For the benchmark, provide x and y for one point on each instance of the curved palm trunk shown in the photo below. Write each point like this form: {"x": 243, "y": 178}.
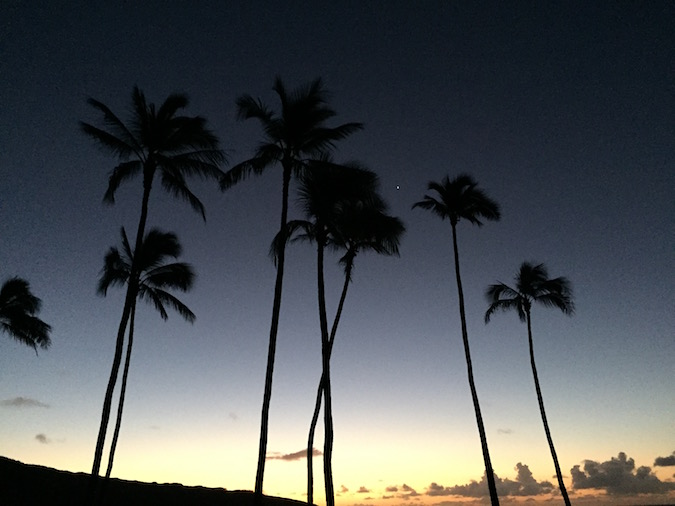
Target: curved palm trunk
{"x": 128, "y": 303}
{"x": 271, "y": 350}
{"x": 320, "y": 390}
{"x": 474, "y": 396}
{"x": 561, "y": 484}
{"x": 123, "y": 389}
{"x": 328, "y": 406}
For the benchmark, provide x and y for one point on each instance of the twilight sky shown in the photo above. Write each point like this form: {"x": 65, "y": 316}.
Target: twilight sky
{"x": 563, "y": 112}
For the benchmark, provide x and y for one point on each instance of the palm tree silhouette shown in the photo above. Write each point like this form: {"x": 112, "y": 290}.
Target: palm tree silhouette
{"x": 357, "y": 227}
{"x": 534, "y": 285}
{"x": 455, "y": 200}
{"x": 153, "y": 142}
{"x": 332, "y": 198}
{"x": 18, "y": 314}
{"x": 155, "y": 277}
{"x": 292, "y": 138}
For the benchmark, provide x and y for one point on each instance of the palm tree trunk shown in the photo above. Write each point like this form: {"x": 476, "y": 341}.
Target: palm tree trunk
{"x": 271, "y": 350}
{"x": 123, "y": 389}
{"x": 540, "y": 399}
{"x": 474, "y": 396}
{"x": 325, "y": 355}
{"x": 107, "y": 402}
{"x": 319, "y": 393}
{"x": 128, "y": 302}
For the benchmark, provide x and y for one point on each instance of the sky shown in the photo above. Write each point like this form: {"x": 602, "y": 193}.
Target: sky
{"x": 562, "y": 111}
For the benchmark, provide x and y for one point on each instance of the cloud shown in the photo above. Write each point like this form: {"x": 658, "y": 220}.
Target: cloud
{"x": 23, "y": 402}
{"x": 523, "y": 485}
{"x": 363, "y": 490}
{"x": 342, "y": 490}
{"x": 504, "y": 431}
{"x": 41, "y": 438}
{"x": 233, "y": 416}
{"x": 400, "y": 492}
{"x": 665, "y": 461}
{"x": 618, "y": 476}
{"x": 289, "y": 457}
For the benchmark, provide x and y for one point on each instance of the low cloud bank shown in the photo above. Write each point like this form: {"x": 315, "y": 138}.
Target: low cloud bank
{"x": 523, "y": 485}
{"x": 618, "y": 476}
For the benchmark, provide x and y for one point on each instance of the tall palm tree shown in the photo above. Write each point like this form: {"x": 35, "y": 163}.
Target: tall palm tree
{"x": 155, "y": 277}
{"x": 454, "y": 200}
{"x": 292, "y": 138}
{"x": 358, "y": 228}
{"x": 534, "y": 285}
{"x": 155, "y": 141}
{"x": 18, "y": 314}
{"x": 328, "y": 192}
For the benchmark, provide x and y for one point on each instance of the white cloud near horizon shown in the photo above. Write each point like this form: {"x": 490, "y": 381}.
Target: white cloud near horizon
{"x": 290, "y": 457}
{"x": 23, "y": 402}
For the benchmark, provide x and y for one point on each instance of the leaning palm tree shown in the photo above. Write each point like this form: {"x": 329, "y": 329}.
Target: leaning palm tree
{"x": 534, "y": 285}
{"x": 292, "y": 138}
{"x": 328, "y": 196}
{"x": 155, "y": 277}
{"x": 454, "y": 200}
{"x": 358, "y": 228}
{"x": 154, "y": 142}
{"x": 18, "y": 314}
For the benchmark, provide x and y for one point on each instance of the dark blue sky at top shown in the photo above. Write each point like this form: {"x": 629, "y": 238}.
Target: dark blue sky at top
{"x": 563, "y": 111}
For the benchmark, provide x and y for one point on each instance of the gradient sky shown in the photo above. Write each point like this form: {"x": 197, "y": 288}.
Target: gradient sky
{"x": 563, "y": 112}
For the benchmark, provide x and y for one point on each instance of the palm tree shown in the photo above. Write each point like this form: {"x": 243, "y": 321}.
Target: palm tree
{"x": 329, "y": 196}
{"x": 153, "y": 142}
{"x": 455, "y": 200}
{"x": 359, "y": 228}
{"x": 18, "y": 314}
{"x": 292, "y": 138}
{"x": 534, "y": 285}
{"x": 154, "y": 278}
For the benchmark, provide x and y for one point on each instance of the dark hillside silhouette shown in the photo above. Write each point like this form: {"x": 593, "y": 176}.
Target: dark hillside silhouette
{"x": 28, "y": 485}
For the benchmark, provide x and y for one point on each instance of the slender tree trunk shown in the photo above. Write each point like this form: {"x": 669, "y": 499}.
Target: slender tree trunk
{"x": 276, "y": 310}
{"x": 319, "y": 393}
{"x": 128, "y": 302}
{"x": 123, "y": 389}
{"x": 325, "y": 356}
{"x": 474, "y": 396}
{"x": 561, "y": 483}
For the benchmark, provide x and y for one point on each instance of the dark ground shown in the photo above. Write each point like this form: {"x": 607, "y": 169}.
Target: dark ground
{"x": 28, "y": 485}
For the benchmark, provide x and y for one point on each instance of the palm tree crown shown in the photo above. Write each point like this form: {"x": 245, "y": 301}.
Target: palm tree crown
{"x": 460, "y": 198}
{"x": 532, "y": 285}
{"x": 155, "y": 276}
{"x": 158, "y": 139}
{"x": 294, "y": 135}
{"x": 18, "y": 314}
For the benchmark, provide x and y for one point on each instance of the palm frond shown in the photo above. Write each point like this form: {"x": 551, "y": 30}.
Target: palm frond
{"x": 178, "y": 275}
{"x": 119, "y": 174}
{"x": 175, "y": 183}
